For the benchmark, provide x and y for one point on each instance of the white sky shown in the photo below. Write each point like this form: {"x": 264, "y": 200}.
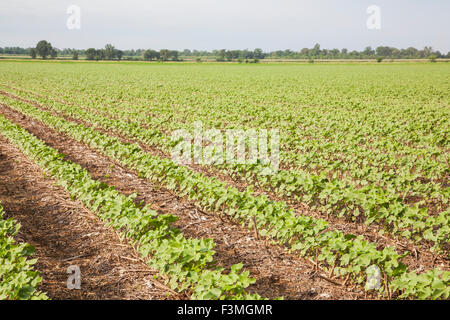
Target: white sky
{"x": 231, "y": 24}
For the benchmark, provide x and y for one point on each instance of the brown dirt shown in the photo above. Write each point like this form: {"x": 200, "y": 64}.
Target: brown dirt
{"x": 277, "y": 273}
{"x": 64, "y": 233}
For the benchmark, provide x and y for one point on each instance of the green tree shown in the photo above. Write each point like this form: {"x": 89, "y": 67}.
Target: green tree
{"x": 75, "y": 55}
{"x": 164, "y": 54}
{"x": 221, "y": 55}
{"x": 44, "y": 49}
{"x": 33, "y": 53}
{"x": 368, "y": 51}
{"x": 110, "y": 52}
{"x": 119, "y": 54}
{"x": 427, "y": 51}
{"x": 235, "y": 54}
{"x": 304, "y": 52}
{"x": 334, "y": 53}
{"x": 315, "y": 52}
{"x": 258, "y": 53}
{"x": 174, "y": 55}
{"x": 228, "y": 55}
{"x": 53, "y": 53}
{"x": 91, "y": 53}
{"x": 411, "y": 52}
{"x": 344, "y": 53}
{"x": 100, "y": 54}
{"x": 150, "y": 55}
{"x": 384, "y": 51}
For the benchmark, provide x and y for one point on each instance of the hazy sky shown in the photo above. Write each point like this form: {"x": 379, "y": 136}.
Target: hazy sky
{"x": 231, "y": 24}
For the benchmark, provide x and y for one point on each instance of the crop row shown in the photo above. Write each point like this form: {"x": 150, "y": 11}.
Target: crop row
{"x": 187, "y": 264}
{"x": 321, "y": 140}
{"x": 18, "y": 279}
{"x": 408, "y": 171}
{"x": 150, "y": 87}
{"x": 327, "y": 195}
{"x": 343, "y": 255}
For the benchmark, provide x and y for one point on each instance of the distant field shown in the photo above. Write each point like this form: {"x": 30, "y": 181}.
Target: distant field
{"x": 363, "y": 178}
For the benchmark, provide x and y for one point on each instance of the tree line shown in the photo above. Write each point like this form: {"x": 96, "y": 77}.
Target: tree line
{"x": 44, "y": 50}
{"x": 318, "y": 53}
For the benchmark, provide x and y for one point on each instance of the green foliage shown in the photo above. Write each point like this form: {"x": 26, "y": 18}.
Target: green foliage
{"x": 372, "y": 154}
{"x": 33, "y": 53}
{"x": 308, "y": 236}
{"x": 18, "y": 280}
{"x": 187, "y": 264}
{"x": 433, "y": 284}
{"x": 44, "y": 49}
{"x": 150, "y": 55}
{"x": 91, "y": 53}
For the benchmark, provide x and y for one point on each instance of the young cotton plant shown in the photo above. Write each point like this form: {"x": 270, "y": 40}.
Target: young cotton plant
{"x": 18, "y": 280}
